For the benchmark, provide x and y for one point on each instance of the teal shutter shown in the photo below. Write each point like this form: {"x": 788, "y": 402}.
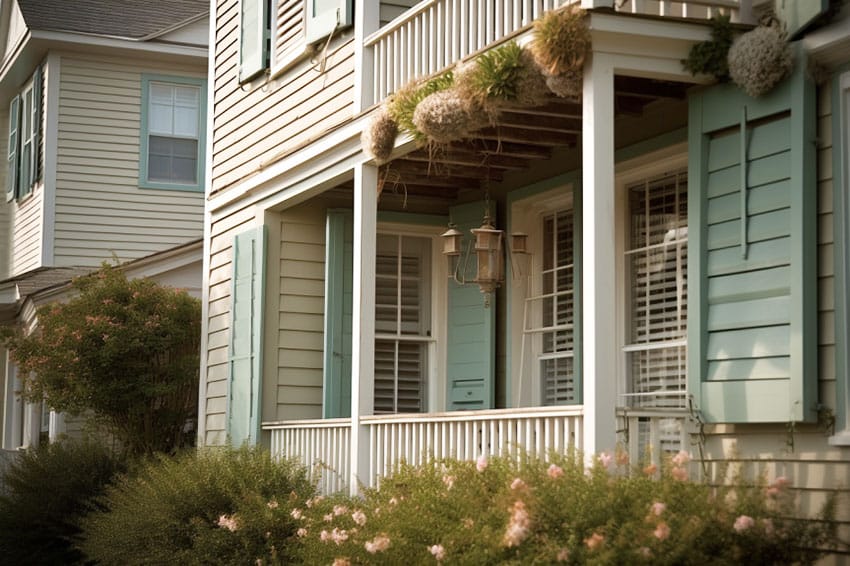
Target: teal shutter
{"x": 470, "y": 363}
{"x": 243, "y": 408}
{"x": 254, "y": 37}
{"x": 339, "y": 264}
{"x": 324, "y": 16}
{"x": 797, "y": 15}
{"x": 12, "y": 153}
{"x": 752, "y": 339}
{"x": 35, "y": 169}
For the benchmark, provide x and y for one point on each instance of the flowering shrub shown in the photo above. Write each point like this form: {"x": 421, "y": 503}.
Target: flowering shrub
{"x": 212, "y": 507}
{"x": 528, "y": 511}
{"x": 125, "y": 350}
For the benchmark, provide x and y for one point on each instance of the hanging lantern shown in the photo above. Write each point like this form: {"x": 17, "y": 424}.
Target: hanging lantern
{"x": 519, "y": 243}
{"x": 491, "y": 262}
{"x": 452, "y": 241}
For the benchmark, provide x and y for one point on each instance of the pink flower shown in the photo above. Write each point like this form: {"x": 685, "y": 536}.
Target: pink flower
{"x": 480, "y": 465}
{"x": 329, "y": 517}
{"x": 295, "y": 514}
{"x": 437, "y": 551}
{"x": 314, "y": 501}
{"x": 662, "y": 531}
{"x": 778, "y": 485}
{"x": 393, "y": 501}
{"x": 340, "y": 510}
{"x": 645, "y": 552}
{"x": 229, "y": 523}
{"x": 650, "y": 470}
{"x": 517, "y": 484}
{"x": 274, "y": 505}
{"x": 449, "y": 481}
{"x": 606, "y": 460}
{"x": 518, "y": 526}
{"x": 658, "y": 508}
{"x": 339, "y": 536}
{"x": 563, "y": 555}
{"x": 681, "y": 458}
{"x": 301, "y": 533}
{"x": 594, "y": 541}
{"x": 342, "y": 562}
{"x": 680, "y": 474}
{"x": 622, "y": 458}
{"x": 359, "y": 517}
{"x": 378, "y": 544}
{"x": 554, "y": 471}
{"x": 324, "y": 536}
{"x": 743, "y": 523}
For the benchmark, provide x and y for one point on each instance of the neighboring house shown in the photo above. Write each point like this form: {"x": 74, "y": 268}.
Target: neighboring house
{"x": 643, "y": 316}
{"x": 103, "y": 114}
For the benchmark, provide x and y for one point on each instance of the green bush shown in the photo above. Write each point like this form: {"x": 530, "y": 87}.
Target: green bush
{"x": 216, "y": 506}
{"x": 46, "y": 492}
{"x": 532, "y": 512}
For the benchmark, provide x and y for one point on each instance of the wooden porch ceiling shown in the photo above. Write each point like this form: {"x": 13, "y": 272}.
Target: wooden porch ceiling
{"x": 522, "y": 138}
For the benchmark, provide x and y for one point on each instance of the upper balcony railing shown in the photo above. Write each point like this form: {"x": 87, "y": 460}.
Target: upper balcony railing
{"x": 435, "y": 34}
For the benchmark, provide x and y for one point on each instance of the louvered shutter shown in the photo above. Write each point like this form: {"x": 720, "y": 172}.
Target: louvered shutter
{"x": 470, "y": 363}
{"x": 14, "y": 145}
{"x": 35, "y": 169}
{"x": 752, "y": 332}
{"x": 254, "y": 36}
{"x": 324, "y": 16}
{"x": 339, "y": 262}
{"x": 243, "y": 408}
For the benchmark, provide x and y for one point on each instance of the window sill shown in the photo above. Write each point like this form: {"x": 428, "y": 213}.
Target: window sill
{"x": 840, "y": 438}
{"x": 170, "y": 187}
{"x": 290, "y": 58}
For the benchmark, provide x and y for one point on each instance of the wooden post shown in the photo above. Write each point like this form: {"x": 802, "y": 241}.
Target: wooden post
{"x": 363, "y": 317}
{"x": 366, "y": 22}
{"x": 599, "y": 290}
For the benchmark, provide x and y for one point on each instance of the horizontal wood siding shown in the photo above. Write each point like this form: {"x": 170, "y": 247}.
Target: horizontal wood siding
{"x": 802, "y": 454}
{"x": 213, "y": 401}
{"x": 301, "y": 310}
{"x": 100, "y": 209}
{"x": 257, "y": 123}
{"x": 27, "y": 232}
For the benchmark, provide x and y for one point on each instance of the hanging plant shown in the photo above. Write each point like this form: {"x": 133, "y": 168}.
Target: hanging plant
{"x": 710, "y": 57}
{"x": 566, "y": 85}
{"x": 402, "y": 104}
{"x": 561, "y": 41}
{"x": 442, "y": 117}
{"x": 505, "y": 75}
{"x": 378, "y": 139}
{"x": 760, "y": 59}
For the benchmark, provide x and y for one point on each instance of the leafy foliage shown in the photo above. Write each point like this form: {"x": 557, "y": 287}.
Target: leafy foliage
{"x": 126, "y": 350}
{"x": 710, "y": 57}
{"x": 402, "y": 104}
{"x": 561, "y": 40}
{"x": 47, "y": 491}
{"x": 216, "y": 506}
{"x": 527, "y": 511}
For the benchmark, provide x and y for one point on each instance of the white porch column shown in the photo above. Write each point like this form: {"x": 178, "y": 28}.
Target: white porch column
{"x": 599, "y": 291}
{"x": 363, "y": 319}
{"x": 13, "y": 416}
{"x": 366, "y": 21}
{"x": 57, "y": 426}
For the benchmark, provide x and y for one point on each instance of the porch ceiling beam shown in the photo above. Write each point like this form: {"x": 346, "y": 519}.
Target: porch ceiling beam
{"x": 456, "y": 156}
{"x": 425, "y": 191}
{"x": 557, "y": 107}
{"x": 520, "y": 135}
{"x": 502, "y": 147}
{"x": 438, "y": 169}
{"x": 649, "y": 88}
{"x": 545, "y": 123}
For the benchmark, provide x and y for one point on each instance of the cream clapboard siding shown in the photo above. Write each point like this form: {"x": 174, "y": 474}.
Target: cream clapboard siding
{"x": 256, "y": 125}
{"x": 214, "y": 397}
{"x": 27, "y": 232}
{"x": 100, "y": 209}
{"x": 301, "y": 314}
{"x": 801, "y": 453}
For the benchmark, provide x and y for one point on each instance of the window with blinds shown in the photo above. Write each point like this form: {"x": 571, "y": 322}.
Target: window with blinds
{"x": 557, "y": 377}
{"x": 656, "y": 259}
{"x": 402, "y": 323}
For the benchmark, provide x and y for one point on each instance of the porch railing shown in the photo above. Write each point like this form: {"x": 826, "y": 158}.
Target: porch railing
{"x": 653, "y": 434}
{"x": 434, "y": 34}
{"x": 324, "y": 445}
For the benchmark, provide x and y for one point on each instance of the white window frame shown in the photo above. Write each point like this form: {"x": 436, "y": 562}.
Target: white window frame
{"x": 527, "y": 216}
{"x": 652, "y": 165}
{"x": 434, "y": 396}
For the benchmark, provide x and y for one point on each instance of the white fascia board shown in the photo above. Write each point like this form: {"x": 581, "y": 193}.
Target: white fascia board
{"x": 164, "y": 262}
{"x": 99, "y": 42}
{"x": 830, "y": 45}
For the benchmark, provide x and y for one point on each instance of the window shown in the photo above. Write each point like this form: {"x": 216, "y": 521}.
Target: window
{"x": 325, "y": 16}
{"x": 557, "y": 376}
{"x": 172, "y": 144}
{"x": 24, "y": 155}
{"x": 656, "y": 266}
{"x": 402, "y": 323}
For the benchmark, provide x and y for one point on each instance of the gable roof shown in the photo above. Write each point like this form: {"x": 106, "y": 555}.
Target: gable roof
{"x": 132, "y": 19}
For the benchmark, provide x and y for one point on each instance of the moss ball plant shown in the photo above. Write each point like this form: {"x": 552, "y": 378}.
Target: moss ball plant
{"x": 507, "y": 75}
{"x": 442, "y": 117}
{"x": 379, "y": 138}
{"x": 759, "y": 59}
{"x": 403, "y": 103}
{"x": 566, "y": 85}
{"x": 561, "y": 40}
